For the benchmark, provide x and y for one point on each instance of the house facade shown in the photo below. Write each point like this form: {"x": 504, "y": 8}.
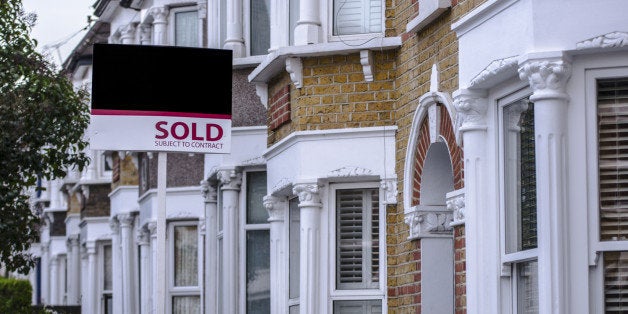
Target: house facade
{"x": 419, "y": 156}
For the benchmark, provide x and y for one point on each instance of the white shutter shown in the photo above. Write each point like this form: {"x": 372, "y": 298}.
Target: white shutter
{"x": 357, "y": 17}
{"x": 616, "y": 282}
{"x": 612, "y": 98}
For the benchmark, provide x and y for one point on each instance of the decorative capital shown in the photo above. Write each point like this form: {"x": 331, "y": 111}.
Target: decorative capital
{"x": 114, "y": 224}
{"x": 390, "y": 191}
{"x": 456, "y": 203}
{"x": 159, "y": 14}
{"x": 73, "y": 240}
{"x": 145, "y": 34}
{"x": 547, "y": 77}
{"x": 125, "y": 220}
{"x": 471, "y": 109}
{"x": 275, "y": 212}
{"x": 429, "y": 223}
{"x": 209, "y": 192}
{"x": 152, "y": 228}
{"x": 202, "y": 10}
{"x": 142, "y": 236}
{"x": 295, "y": 68}
{"x": 229, "y": 179}
{"x": 127, "y": 32}
{"x": 308, "y": 195}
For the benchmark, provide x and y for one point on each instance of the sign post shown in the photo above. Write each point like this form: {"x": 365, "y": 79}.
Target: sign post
{"x": 148, "y": 98}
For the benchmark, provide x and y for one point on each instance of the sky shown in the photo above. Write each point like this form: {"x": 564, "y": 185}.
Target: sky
{"x": 59, "y": 24}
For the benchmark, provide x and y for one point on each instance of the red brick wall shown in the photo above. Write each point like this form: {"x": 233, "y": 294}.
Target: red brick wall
{"x": 279, "y": 108}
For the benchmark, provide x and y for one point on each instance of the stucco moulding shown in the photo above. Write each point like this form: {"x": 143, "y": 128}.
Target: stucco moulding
{"x": 496, "y": 71}
{"x": 610, "y": 40}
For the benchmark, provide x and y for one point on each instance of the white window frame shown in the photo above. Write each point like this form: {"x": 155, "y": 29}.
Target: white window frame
{"x": 354, "y": 37}
{"x": 597, "y": 247}
{"x": 243, "y": 228}
{"x": 174, "y": 291}
{"x": 172, "y": 25}
{"x": 296, "y": 301}
{"x": 101, "y": 275}
{"x": 509, "y": 261}
{"x": 336, "y": 294}
{"x": 246, "y": 14}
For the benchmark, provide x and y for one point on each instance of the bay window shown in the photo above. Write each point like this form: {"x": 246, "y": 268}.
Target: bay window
{"x": 106, "y": 272}
{"x": 519, "y": 205}
{"x": 184, "y": 288}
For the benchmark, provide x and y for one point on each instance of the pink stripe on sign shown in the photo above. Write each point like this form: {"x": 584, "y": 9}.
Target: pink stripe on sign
{"x": 110, "y": 112}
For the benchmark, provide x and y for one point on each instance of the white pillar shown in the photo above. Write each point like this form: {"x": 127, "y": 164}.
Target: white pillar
{"x": 482, "y": 221}
{"x": 145, "y": 34}
{"x": 143, "y": 240}
{"x": 152, "y": 228}
{"x": 127, "y": 34}
{"x": 548, "y": 74}
{"x": 310, "y": 247}
{"x": 308, "y": 29}
{"x": 74, "y": 270}
{"x": 116, "y": 266}
{"x": 160, "y": 24}
{"x": 45, "y": 273}
{"x": 85, "y": 280}
{"x": 126, "y": 250}
{"x": 278, "y": 274}
{"x": 91, "y": 305}
{"x": 211, "y": 246}
{"x": 54, "y": 280}
{"x": 230, "y": 187}
{"x": 279, "y": 22}
{"x": 235, "y": 39}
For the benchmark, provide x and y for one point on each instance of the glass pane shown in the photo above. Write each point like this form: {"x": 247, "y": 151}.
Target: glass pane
{"x": 186, "y": 305}
{"x": 185, "y": 256}
{"x": 108, "y": 303}
{"x": 616, "y": 282}
{"x": 358, "y": 307}
{"x": 527, "y": 287}
{"x": 260, "y": 27}
{"x": 220, "y": 276}
{"x": 220, "y": 209}
{"x": 107, "y": 277}
{"x": 255, "y": 192}
{"x": 258, "y": 271}
{"x": 295, "y": 234}
{"x": 294, "y": 309}
{"x": 186, "y": 29}
{"x": 357, "y": 17}
{"x": 612, "y": 114}
{"x": 520, "y": 176}
{"x": 294, "y": 18}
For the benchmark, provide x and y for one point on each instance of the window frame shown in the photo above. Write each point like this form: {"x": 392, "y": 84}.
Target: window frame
{"x": 510, "y": 261}
{"x": 366, "y": 294}
{"x": 102, "y": 292}
{"x": 331, "y": 37}
{"x": 182, "y": 291}
{"x": 172, "y": 24}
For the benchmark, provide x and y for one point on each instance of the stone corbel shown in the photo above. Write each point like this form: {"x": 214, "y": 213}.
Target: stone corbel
{"x": 390, "y": 191}
{"x": 209, "y": 192}
{"x": 366, "y": 59}
{"x": 261, "y": 90}
{"x": 274, "y": 209}
{"x": 295, "y": 68}
{"x": 429, "y": 222}
{"x": 471, "y": 109}
{"x": 456, "y": 203}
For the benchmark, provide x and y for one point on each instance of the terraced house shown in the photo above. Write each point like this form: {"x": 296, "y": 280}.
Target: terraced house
{"x": 411, "y": 156}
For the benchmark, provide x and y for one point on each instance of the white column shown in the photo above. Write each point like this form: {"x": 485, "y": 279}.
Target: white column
{"x": 279, "y": 23}
{"x": 85, "y": 280}
{"x": 548, "y": 73}
{"x": 143, "y": 240}
{"x": 126, "y": 249}
{"x": 152, "y": 228}
{"x": 160, "y": 23}
{"x": 230, "y": 187}
{"x": 308, "y": 27}
{"x": 127, "y": 34}
{"x": 211, "y": 246}
{"x": 54, "y": 280}
{"x": 482, "y": 221}
{"x": 116, "y": 266}
{"x": 45, "y": 273}
{"x": 145, "y": 34}
{"x": 91, "y": 305}
{"x": 235, "y": 39}
{"x": 310, "y": 247}
{"x": 74, "y": 273}
{"x": 202, "y": 21}
{"x": 278, "y": 274}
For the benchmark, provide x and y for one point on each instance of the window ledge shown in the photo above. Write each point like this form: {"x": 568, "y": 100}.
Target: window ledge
{"x": 275, "y": 62}
{"x": 429, "y": 10}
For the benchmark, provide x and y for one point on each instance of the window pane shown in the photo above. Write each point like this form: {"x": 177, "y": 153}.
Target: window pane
{"x": 108, "y": 303}
{"x": 185, "y": 256}
{"x": 186, "y": 29}
{"x": 258, "y": 271}
{"x": 520, "y": 176}
{"x": 616, "y": 282}
{"x": 527, "y": 287}
{"x": 260, "y": 27}
{"x": 612, "y": 113}
{"x": 357, "y": 262}
{"x": 220, "y": 276}
{"x": 186, "y": 305}
{"x": 295, "y": 234}
{"x": 294, "y": 309}
{"x": 357, "y": 17}
{"x": 294, "y": 18}
{"x": 358, "y": 307}
{"x": 255, "y": 192}
{"x": 107, "y": 277}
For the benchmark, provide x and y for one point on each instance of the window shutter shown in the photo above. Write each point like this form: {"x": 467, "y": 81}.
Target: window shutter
{"x": 612, "y": 98}
{"x": 616, "y": 282}
{"x": 357, "y": 239}
{"x": 357, "y": 17}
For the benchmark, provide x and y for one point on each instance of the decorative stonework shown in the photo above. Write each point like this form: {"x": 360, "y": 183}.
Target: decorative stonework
{"x": 152, "y": 228}
{"x": 142, "y": 236}
{"x": 495, "y": 69}
{"x": 547, "y": 77}
{"x": 202, "y": 10}
{"x": 127, "y": 33}
{"x": 126, "y": 220}
{"x": 390, "y": 191}
{"x": 295, "y": 68}
{"x": 281, "y": 185}
{"x": 73, "y": 240}
{"x": 261, "y": 90}
{"x": 114, "y": 225}
{"x": 350, "y": 171}
{"x": 610, "y": 40}
{"x": 275, "y": 212}
{"x": 366, "y": 59}
{"x": 159, "y": 14}
{"x": 471, "y": 109}
{"x": 455, "y": 201}
{"x": 145, "y": 34}
{"x": 229, "y": 179}
{"x": 181, "y": 215}
{"x": 308, "y": 195}
{"x": 433, "y": 115}
{"x": 429, "y": 222}
{"x": 209, "y": 192}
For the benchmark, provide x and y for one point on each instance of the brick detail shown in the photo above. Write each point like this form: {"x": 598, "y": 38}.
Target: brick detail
{"x": 460, "y": 270}
{"x": 98, "y": 203}
{"x": 455, "y": 152}
{"x": 279, "y": 108}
